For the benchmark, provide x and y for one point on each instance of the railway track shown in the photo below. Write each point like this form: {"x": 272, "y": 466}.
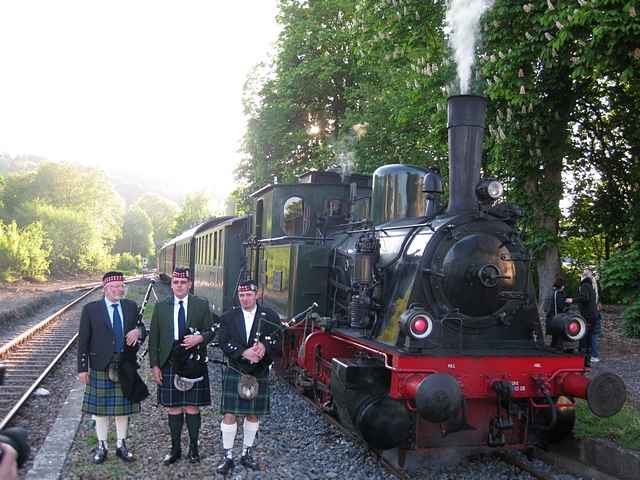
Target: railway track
{"x": 31, "y": 355}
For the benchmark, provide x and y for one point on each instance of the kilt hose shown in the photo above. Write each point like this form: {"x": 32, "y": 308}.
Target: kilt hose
{"x": 170, "y": 396}
{"x": 104, "y": 398}
{"x": 231, "y": 402}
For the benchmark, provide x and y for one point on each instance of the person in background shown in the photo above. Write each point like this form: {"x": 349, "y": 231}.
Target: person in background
{"x": 597, "y": 328}
{"x": 182, "y": 320}
{"x": 587, "y": 303}
{"x": 108, "y": 327}
{"x": 556, "y": 305}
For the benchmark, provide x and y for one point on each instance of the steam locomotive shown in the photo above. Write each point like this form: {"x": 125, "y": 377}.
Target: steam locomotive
{"x": 419, "y": 325}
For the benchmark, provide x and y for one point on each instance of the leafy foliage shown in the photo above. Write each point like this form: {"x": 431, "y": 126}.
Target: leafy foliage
{"x": 128, "y": 263}
{"x": 562, "y": 79}
{"x": 193, "y": 210}
{"x": 162, "y": 213}
{"x": 78, "y": 210}
{"x": 137, "y": 233}
{"x": 621, "y": 275}
{"x": 23, "y": 252}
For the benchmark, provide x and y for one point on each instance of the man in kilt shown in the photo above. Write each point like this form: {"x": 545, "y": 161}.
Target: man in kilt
{"x": 248, "y": 338}
{"x": 108, "y": 330}
{"x": 182, "y": 320}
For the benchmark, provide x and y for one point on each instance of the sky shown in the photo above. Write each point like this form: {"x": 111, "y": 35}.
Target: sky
{"x": 137, "y": 88}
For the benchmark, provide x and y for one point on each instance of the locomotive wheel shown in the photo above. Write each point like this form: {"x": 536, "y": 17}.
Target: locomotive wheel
{"x": 565, "y": 421}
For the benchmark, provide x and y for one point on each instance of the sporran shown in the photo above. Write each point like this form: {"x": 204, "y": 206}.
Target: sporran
{"x": 247, "y": 387}
{"x": 113, "y": 373}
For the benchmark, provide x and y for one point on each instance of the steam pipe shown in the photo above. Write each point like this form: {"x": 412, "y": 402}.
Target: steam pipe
{"x": 466, "y": 120}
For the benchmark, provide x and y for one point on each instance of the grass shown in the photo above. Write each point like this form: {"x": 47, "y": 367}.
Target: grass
{"x": 622, "y": 428}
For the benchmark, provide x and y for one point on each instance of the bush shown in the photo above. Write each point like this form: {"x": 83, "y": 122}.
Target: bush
{"x": 77, "y": 244}
{"x": 128, "y": 263}
{"x": 24, "y": 253}
{"x": 621, "y": 276}
{"x": 631, "y": 318}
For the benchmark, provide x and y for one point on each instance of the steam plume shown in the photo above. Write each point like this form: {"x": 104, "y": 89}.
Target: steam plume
{"x": 463, "y": 21}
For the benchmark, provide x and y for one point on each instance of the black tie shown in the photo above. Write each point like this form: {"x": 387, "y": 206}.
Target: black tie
{"x": 181, "y": 320}
{"x": 117, "y": 329}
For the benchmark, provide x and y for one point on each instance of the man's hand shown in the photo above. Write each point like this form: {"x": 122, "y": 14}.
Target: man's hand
{"x": 157, "y": 375}
{"x": 569, "y": 300}
{"x": 84, "y": 377}
{"x": 132, "y": 337}
{"x": 260, "y": 349}
{"x": 251, "y": 355}
{"x": 9, "y": 464}
{"x": 190, "y": 341}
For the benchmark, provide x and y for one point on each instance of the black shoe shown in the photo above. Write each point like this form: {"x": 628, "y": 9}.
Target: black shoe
{"x": 124, "y": 453}
{"x": 194, "y": 456}
{"x": 172, "y": 457}
{"x": 100, "y": 453}
{"x": 247, "y": 461}
{"x": 226, "y": 466}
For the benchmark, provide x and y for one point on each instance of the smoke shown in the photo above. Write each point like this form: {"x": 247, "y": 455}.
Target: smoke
{"x": 463, "y": 22}
{"x": 346, "y": 159}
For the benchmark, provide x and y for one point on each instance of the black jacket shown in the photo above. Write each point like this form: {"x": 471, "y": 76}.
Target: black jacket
{"x": 233, "y": 339}
{"x": 96, "y": 342}
{"x": 586, "y": 300}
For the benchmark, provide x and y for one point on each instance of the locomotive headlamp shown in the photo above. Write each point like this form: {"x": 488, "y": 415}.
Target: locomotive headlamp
{"x": 570, "y": 326}
{"x": 420, "y": 326}
{"x": 575, "y": 329}
{"x": 416, "y": 323}
{"x": 489, "y": 189}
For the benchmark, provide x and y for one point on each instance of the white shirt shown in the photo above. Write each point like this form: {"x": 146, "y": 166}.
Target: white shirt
{"x": 110, "y": 311}
{"x": 249, "y": 316}
{"x": 176, "y": 307}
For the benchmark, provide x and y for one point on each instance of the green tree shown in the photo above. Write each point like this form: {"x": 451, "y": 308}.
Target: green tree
{"x": 76, "y": 245}
{"x": 194, "y": 209}
{"x": 562, "y": 81}
{"x": 293, "y": 126}
{"x": 137, "y": 233}
{"x": 23, "y": 252}
{"x": 162, "y": 212}
{"x": 542, "y": 62}
{"x": 80, "y": 213}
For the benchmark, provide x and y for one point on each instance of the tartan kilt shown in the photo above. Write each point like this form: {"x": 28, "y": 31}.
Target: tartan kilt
{"x": 170, "y": 396}
{"x": 104, "y": 398}
{"x": 231, "y": 402}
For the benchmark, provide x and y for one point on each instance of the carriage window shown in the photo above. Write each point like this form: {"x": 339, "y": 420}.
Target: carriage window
{"x": 215, "y": 248}
{"x": 210, "y": 257}
{"x": 293, "y": 217}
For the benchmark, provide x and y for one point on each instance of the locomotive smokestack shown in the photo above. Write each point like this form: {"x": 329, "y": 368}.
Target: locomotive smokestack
{"x": 466, "y": 130}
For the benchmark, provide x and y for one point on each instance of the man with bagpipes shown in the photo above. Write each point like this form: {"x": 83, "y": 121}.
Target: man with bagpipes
{"x": 111, "y": 331}
{"x": 181, "y": 327}
{"x": 248, "y": 337}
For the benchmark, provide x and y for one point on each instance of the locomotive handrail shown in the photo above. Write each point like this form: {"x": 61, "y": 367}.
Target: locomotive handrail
{"x": 289, "y": 237}
{"x": 386, "y": 359}
{"x": 398, "y": 227}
